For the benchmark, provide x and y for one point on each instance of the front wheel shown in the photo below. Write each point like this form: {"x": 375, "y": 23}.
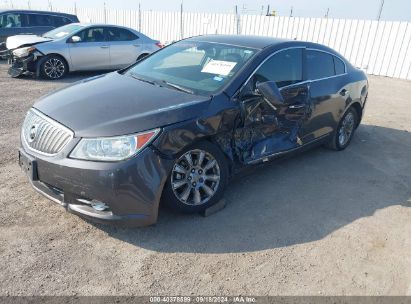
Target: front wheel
{"x": 345, "y": 131}
{"x": 198, "y": 179}
{"x": 53, "y": 67}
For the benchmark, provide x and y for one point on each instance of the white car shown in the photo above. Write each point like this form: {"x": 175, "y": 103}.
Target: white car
{"x": 78, "y": 47}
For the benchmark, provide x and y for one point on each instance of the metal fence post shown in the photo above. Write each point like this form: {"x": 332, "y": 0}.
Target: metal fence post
{"x": 181, "y": 21}
{"x": 238, "y": 21}
{"x": 139, "y": 17}
{"x": 105, "y": 13}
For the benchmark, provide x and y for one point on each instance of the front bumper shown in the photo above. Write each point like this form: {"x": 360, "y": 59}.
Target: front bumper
{"x": 23, "y": 65}
{"x": 131, "y": 189}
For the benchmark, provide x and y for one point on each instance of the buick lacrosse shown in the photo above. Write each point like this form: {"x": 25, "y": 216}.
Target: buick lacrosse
{"x": 175, "y": 126}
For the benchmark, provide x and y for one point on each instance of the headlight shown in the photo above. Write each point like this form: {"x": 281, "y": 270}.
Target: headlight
{"x": 24, "y": 52}
{"x": 113, "y": 148}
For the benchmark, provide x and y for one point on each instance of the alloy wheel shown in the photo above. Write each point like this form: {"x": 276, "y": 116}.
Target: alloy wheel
{"x": 346, "y": 129}
{"x": 195, "y": 177}
{"x": 54, "y": 68}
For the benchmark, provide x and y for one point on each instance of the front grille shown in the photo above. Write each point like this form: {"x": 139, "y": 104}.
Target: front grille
{"x": 43, "y": 134}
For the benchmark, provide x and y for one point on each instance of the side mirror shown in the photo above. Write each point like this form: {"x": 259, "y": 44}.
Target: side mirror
{"x": 270, "y": 91}
{"x": 75, "y": 39}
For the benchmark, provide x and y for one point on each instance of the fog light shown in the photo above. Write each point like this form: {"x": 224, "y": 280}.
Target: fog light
{"x": 99, "y": 206}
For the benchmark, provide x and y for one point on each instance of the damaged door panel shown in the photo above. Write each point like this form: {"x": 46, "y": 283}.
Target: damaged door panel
{"x": 274, "y": 103}
{"x": 268, "y": 128}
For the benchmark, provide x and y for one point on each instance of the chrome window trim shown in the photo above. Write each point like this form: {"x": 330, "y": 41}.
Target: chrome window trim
{"x": 51, "y": 121}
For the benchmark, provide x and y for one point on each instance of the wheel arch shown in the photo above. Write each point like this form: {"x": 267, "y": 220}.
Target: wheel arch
{"x": 358, "y": 109}
{"x": 44, "y": 58}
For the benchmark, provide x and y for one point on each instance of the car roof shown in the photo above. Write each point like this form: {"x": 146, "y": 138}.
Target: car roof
{"x": 84, "y": 24}
{"x": 257, "y": 42}
{"x": 36, "y": 12}
{"x": 261, "y": 42}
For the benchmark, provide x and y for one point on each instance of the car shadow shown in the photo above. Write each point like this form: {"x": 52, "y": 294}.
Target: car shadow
{"x": 68, "y": 79}
{"x": 293, "y": 201}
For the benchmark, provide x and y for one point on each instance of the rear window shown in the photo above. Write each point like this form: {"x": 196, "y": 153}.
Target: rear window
{"x": 40, "y": 20}
{"x": 319, "y": 65}
{"x": 339, "y": 66}
{"x": 60, "y": 21}
{"x": 118, "y": 34}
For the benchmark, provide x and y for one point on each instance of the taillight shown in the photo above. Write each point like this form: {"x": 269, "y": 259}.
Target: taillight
{"x": 160, "y": 45}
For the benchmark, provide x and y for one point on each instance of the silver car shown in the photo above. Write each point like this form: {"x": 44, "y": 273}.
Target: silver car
{"x": 77, "y": 47}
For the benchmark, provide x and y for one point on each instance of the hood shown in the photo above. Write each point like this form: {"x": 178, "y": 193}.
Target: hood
{"x": 14, "y": 42}
{"x": 115, "y": 104}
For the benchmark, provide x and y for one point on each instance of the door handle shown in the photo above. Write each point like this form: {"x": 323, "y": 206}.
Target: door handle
{"x": 299, "y": 106}
{"x": 344, "y": 92}
{"x": 104, "y": 46}
{"x": 136, "y": 45}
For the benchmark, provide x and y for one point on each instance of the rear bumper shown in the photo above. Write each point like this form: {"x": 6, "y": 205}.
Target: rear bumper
{"x": 131, "y": 189}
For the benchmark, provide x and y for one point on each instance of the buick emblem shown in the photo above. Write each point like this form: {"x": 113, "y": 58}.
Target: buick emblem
{"x": 33, "y": 133}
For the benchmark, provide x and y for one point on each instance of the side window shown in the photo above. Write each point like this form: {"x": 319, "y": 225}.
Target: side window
{"x": 60, "y": 21}
{"x": 92, "y": 35}
{"x": 285, "y": 68}
{"x": 118, "y": 34}
{"x": 10, "y": 20}
{"x": 339, "y": 66}
{"x": 319, "y": 65}
{"x": 40, "y": 20}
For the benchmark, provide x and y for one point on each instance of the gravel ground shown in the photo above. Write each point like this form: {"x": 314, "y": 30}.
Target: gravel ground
{"x": 322, "y": 223}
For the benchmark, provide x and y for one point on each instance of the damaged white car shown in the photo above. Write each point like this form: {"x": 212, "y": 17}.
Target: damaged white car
{"x": 77, "y": 47}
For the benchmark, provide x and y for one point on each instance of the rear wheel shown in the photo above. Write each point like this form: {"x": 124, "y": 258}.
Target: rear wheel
{"x": 53, "y": 67}
{"x": 198, "y": 179}
{"x": 345, "y": 131}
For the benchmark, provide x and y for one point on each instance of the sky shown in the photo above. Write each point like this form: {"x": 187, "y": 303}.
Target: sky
{"x": 399, "y": 10}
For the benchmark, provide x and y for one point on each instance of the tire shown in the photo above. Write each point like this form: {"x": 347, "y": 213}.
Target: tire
{"x": 194, "y": 187}
{"x": 53, "y": 67}
{"x": 345, "y": 131}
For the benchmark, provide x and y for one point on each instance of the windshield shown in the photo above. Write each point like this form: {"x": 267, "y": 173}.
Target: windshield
{"x": 197, "y": 67}
{"x": 62, "y": 32}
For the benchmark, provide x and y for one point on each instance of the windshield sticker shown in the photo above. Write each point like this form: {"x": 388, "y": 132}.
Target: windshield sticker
{"x": 61, "y": 34}
{"x": 217, "y": 78}
{"x": 219, "y": 67}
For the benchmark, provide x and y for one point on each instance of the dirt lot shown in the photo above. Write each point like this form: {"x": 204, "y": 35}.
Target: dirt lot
{"x": 322, "y": 223}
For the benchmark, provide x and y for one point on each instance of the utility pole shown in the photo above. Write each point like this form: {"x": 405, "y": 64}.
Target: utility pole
{"x": 327, "y": 13}
{"x": 50, "y": 6}
{"x": 380, "y": 10}
{"x": 291, "y": 12}
{"x": 28, "y": 4}
{"x": 268, "y": 10}
{"x": 75, "y": 8}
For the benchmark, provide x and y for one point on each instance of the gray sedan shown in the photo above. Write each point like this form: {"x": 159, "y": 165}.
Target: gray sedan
{"x": 78, "y": 47}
